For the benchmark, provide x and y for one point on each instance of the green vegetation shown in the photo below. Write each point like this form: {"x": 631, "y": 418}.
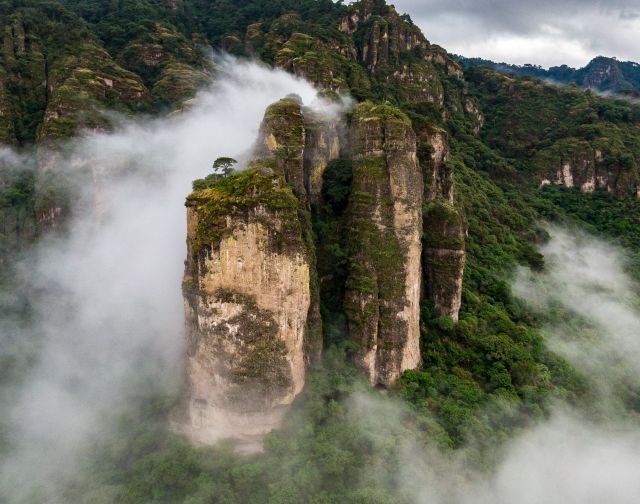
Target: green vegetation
{"x": 222, "y": 168}
{"x": 239, "y": 194}
{"x": 603, "y": 74}
{"x": 482, "y": 378}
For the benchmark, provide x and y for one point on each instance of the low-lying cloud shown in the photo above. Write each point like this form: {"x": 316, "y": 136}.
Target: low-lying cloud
{"x": 586, "y": 455}
{"x": 108, "y": 304}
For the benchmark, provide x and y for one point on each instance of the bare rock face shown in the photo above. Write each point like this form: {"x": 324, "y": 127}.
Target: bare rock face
{"x": 438, "y": 174}
{"x": 322, "y": 145}
{"x": 444, "y": 229}
{"x": 574, "y": 163}
{"x": 248, "y": 293}
{"x": 302, "y": 142}
{"x": 444, "y": 257}
{"x": 385, "y": 225}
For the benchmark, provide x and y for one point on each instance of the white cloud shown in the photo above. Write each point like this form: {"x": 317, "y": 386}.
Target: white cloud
{"x": 544, "y": 32}
{"x": 109, "y": 306}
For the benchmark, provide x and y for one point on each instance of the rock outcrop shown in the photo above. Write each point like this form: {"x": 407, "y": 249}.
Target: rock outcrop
{"x": 578, "y": 164}
{"x": 444, "y": 257}
{"x": 385, "y": 226}
{"x": 248, "y": 292}
{"x": 444, "y": 228}
{"x": 282, "y": 139}
{"x": 438, "y": 173}
{"x": 302, "y": 142}
{"x": 322, "y": 145}
{"x": 251, "y": 288}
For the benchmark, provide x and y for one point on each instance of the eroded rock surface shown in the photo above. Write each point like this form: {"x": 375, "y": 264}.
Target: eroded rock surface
{"x": 385, "y": 226}
{"x": 247, "y": 291}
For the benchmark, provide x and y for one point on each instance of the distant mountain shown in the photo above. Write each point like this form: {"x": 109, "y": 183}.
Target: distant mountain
{"x": 601, "y": 74}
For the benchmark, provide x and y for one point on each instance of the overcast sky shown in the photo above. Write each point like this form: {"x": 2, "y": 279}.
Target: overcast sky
{"x": 543, "y": 32}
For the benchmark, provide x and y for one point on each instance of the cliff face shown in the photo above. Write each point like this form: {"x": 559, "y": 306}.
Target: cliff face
{"x": 579, "y": 164}
{"x": 322, "y": 145}
{"x": 247, "y": 294}
{"x": 444, "y": 257}
{"x": 444, "y": 230}
{"x": 385, "y": 225}
{"x": 302, "y": 142}
{"x": 438, "y": 174}
{"x": 282, "y": 139}
{"x": 251, "y": 289}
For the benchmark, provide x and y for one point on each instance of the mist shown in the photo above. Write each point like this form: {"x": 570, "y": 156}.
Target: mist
{"x": 107, "y": 309}
{"x": 108, "y": 317}
{"x": 586, "y": 455}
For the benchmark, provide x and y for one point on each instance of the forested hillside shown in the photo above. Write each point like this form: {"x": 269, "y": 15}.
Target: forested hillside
{"x": 601, "y": 74}
{"x": 500, "y": 157}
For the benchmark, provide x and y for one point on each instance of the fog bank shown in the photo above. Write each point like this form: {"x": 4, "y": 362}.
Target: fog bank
{"x": 109, "y": 305}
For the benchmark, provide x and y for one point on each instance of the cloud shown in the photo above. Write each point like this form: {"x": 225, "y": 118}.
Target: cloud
{"x": 566, "y": 459}
{"x": 585, "y": 455}
{"x": 587, "y": 280}
{"x": 106, "y": 296}
{"x": 544, "y": 32}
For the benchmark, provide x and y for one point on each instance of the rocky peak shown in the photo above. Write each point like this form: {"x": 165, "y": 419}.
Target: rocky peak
{"x": 248, "y": 293}
{"x": 301, "y": 141}
{"x": 385, "y": 224}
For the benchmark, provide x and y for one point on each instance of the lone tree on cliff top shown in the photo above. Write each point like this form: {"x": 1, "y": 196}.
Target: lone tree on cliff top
{"x": 222, "y": 168}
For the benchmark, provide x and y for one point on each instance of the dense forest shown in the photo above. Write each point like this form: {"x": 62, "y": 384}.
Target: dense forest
{"x": 69, "y": 66}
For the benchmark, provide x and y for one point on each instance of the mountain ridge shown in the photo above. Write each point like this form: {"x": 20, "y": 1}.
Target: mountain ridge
{"x": 335, "y": 263}
{"x": 602, "y": 74}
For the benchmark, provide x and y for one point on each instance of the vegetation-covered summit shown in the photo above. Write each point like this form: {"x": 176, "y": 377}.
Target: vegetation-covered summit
{"x": 485, "y": 142}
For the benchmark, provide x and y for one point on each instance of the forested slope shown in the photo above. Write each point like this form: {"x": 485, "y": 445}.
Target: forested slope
{"x": 500, "y": 156}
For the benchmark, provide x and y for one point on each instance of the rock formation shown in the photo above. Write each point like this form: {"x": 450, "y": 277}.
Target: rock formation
{"x": 282, "y": 139}
{"x": 322, "y": 145}
{"x": 251, "y": 289}
{"x": 248, "y": 293}
{"x": 444, "y": 257}
{"x": 444, "y": 229}
{"x": 583, "y": 166}
{"x": 302, "y": 142}
{"x": 385, "y": 225}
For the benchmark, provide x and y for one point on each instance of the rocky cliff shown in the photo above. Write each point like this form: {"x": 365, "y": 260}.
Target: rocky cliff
{"x": 248, "y": 294}
{"x": 573, "y": 163}
{"x": 385, "y": 227}
{"x": 444, "y": 257}
{"x": 251, "y": 288}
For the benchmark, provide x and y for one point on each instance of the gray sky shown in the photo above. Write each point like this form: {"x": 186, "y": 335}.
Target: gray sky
{"x": 544, "y": 32}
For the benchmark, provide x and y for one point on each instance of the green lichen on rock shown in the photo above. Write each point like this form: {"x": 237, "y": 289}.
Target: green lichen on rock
{"x": 242, "y": 195}
{"x": 374, "y": 112}
{"x": 260, "y": 365}
{"x": 443, "y": 226}
{"x": 383, "y": 233}
{"x": 282, "y": 139}
{"x": 83, "y": 84}
{"x": 7, "y": 127}
{"x": 444, "y": 256}
{"x": 308, "y": 57}
{"x": 179, "y": 82}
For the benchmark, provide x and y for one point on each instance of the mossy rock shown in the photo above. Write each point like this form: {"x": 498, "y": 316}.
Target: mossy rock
{"x": 444, "y": 226}
{"x": 238, "y": 196}
{"x": 387, "y": 113}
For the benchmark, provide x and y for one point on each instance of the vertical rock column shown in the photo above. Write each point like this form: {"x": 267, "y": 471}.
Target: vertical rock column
{"x": 444, "y": 257}
{"x": 282, "y": 139}
{"x": 247, "y": 293}
{"x": 301, "y": 142}
{"x": 444, "y": 230}
{"x": 385, "y": 226}
{"x": 322, "y": 145}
